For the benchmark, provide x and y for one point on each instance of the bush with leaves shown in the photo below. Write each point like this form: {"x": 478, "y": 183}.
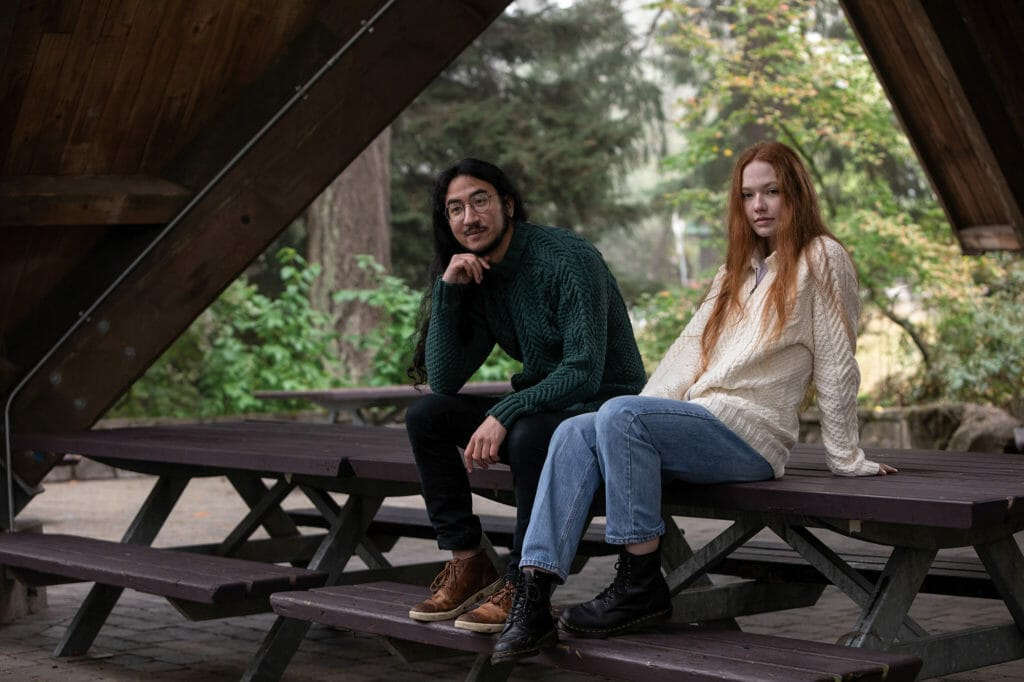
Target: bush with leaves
{"x": 658, "y": 319}
{"x": 978, "y": 344}
{"x": 245, "y": 341}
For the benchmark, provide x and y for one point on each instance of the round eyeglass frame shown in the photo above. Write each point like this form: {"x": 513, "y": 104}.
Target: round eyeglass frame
{"x": 479, "y": 203}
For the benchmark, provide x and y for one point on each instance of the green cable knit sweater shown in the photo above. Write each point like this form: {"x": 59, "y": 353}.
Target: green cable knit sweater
{"x": 552, "y": 304}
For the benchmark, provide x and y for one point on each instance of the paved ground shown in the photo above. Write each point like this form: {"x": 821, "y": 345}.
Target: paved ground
{"x": 146, "y": 639}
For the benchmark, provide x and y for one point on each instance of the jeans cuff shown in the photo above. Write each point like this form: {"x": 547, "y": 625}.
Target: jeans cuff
{"x": 633, "y": 539}
{"x": 544, "y": 566}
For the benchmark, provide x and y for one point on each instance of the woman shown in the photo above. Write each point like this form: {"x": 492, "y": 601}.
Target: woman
{"x": 721, "y": 406}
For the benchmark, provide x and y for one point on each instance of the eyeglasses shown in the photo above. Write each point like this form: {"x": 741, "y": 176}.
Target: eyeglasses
{"x": 479, "y": 202}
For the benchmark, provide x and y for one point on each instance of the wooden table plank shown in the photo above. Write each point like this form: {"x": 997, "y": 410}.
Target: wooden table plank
{"x": 932, "y": 489}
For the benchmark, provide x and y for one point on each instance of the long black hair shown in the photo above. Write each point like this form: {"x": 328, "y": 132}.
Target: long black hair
{"x": 445, "y": 244}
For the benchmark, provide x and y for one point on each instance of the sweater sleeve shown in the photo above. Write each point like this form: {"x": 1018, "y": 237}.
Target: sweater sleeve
{"x": 457, "y": 341}
{"x": 582, "y": 318}
{"x": 676, "y": 371}
{"x": 835, "y": 309}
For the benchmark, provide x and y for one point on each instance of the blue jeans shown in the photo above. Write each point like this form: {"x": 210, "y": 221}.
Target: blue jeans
{"x": 630, "y": 444}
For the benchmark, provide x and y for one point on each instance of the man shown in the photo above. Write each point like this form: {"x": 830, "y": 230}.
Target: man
{"x": 547, "y": 298}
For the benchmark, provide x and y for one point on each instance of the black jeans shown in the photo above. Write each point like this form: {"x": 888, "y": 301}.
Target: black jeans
{"x": 440, "y": 424}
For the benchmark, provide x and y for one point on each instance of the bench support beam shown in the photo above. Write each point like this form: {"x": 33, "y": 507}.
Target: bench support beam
{"x": 838, "y": 572}
{"x": 745, "y": 598}
{"x": 485, "y": 671}
{"x": 696, "y": 567}
{"x": 956, "y": 652}
{"x": 264, "y": 509}
{"x": 96, "y": 608}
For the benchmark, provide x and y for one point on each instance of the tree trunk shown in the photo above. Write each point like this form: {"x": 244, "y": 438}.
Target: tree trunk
{"x": 352, "y": 216}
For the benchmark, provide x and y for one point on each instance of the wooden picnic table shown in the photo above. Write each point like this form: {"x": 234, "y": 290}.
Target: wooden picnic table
{"x": 937, "y": 500}
{"x": 265, "y": 462}
{"x": 355, "y": 401}
{"x": 311, "y": 458}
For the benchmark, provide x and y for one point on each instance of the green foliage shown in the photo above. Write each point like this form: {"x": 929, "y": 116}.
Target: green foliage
{"x": 392, "y": 345}
{"x": 244, "y": 342}
{"x": 979, "y": 344}
{"x": 758, "y": 69}
{"x": 659, "y": 318}
{"x": 557, "y": 97}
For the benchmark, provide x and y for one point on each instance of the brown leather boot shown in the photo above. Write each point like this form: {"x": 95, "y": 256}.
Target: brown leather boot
{"x": 462, "y": 583}
{"x": 492, "y": 614}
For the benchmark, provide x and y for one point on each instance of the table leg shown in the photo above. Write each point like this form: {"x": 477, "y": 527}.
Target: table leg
{"x": 837, "y": 571}
{"x": 1005, "y": 565}
{"x": 348, "y": 528}
{"x": 96, "y": 608}
{"x": 893, "y": 595}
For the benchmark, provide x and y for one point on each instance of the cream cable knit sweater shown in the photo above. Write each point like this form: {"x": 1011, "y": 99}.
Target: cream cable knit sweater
{"x": 756, "y": 388}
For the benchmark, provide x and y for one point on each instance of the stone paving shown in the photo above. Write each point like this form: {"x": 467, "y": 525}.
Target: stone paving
{"x": 146, "y": 639}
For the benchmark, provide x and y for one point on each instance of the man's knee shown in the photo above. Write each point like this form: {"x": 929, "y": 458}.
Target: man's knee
{"x": 527, "y": 441}
{"x": 423, "y": 414}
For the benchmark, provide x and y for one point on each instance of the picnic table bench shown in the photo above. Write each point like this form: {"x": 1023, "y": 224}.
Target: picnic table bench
{"x": 673, "y": 653}
{"x": 193, "y": 583}
{"x": 938, "y": 500}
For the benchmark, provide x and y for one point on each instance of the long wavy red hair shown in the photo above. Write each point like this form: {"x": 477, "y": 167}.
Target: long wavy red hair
{"x": 800, "y": 223}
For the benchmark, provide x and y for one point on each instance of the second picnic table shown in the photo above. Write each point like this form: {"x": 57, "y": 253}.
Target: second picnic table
{"x": 352, "y": 401}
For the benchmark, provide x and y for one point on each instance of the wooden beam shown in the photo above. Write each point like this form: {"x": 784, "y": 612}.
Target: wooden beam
{"x": 933, "y": 72}
{"x": 255, "y": 200}
{"x": 982, "y": 238}
{"x": 89, "y": 200}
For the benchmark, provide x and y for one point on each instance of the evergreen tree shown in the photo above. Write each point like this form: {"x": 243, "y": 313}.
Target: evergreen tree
{"x": 558, "y": 97}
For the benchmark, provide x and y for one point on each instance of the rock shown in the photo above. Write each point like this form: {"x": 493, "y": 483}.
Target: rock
{"x": 983, "y": 428}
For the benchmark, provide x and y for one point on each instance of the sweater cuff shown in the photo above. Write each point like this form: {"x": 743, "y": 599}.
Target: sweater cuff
{"x": 854, "y": 465}
{"x": 507, "y": 410}
{"x": 447, "y": 295}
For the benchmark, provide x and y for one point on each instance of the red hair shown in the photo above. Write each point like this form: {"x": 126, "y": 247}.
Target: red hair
{"x": 799, "y": 224}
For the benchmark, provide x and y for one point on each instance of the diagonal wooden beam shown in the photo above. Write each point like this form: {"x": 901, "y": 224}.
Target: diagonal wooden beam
{"x": 254, "y": 201}
{"x": 949, "y": 70}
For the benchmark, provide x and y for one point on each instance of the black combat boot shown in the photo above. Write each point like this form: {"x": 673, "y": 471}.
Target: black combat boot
{"x": 637, "y": 597}
{"x": 529, "y": 627}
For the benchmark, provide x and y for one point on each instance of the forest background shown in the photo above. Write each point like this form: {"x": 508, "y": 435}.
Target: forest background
{"x": 619, "y": 120}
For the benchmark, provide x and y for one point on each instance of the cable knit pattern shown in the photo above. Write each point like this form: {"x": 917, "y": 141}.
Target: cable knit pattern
{"x": 552, "y": 304}
{"x": 756, "y": 388}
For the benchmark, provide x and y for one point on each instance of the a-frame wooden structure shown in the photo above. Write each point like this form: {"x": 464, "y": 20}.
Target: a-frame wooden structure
{"x": 151, "y": 149}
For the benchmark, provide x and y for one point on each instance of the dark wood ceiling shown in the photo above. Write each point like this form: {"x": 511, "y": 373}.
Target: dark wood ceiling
{"x": 213, "y": 124}
{"x": 220, "y": 120}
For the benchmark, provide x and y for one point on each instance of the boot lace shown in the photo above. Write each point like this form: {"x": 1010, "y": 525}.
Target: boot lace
{"x": 619, "y": 585}
{"x": 526, "y": 593}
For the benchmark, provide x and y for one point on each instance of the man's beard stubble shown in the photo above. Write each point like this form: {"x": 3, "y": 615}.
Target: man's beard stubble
{"x": 485, "y": 251}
